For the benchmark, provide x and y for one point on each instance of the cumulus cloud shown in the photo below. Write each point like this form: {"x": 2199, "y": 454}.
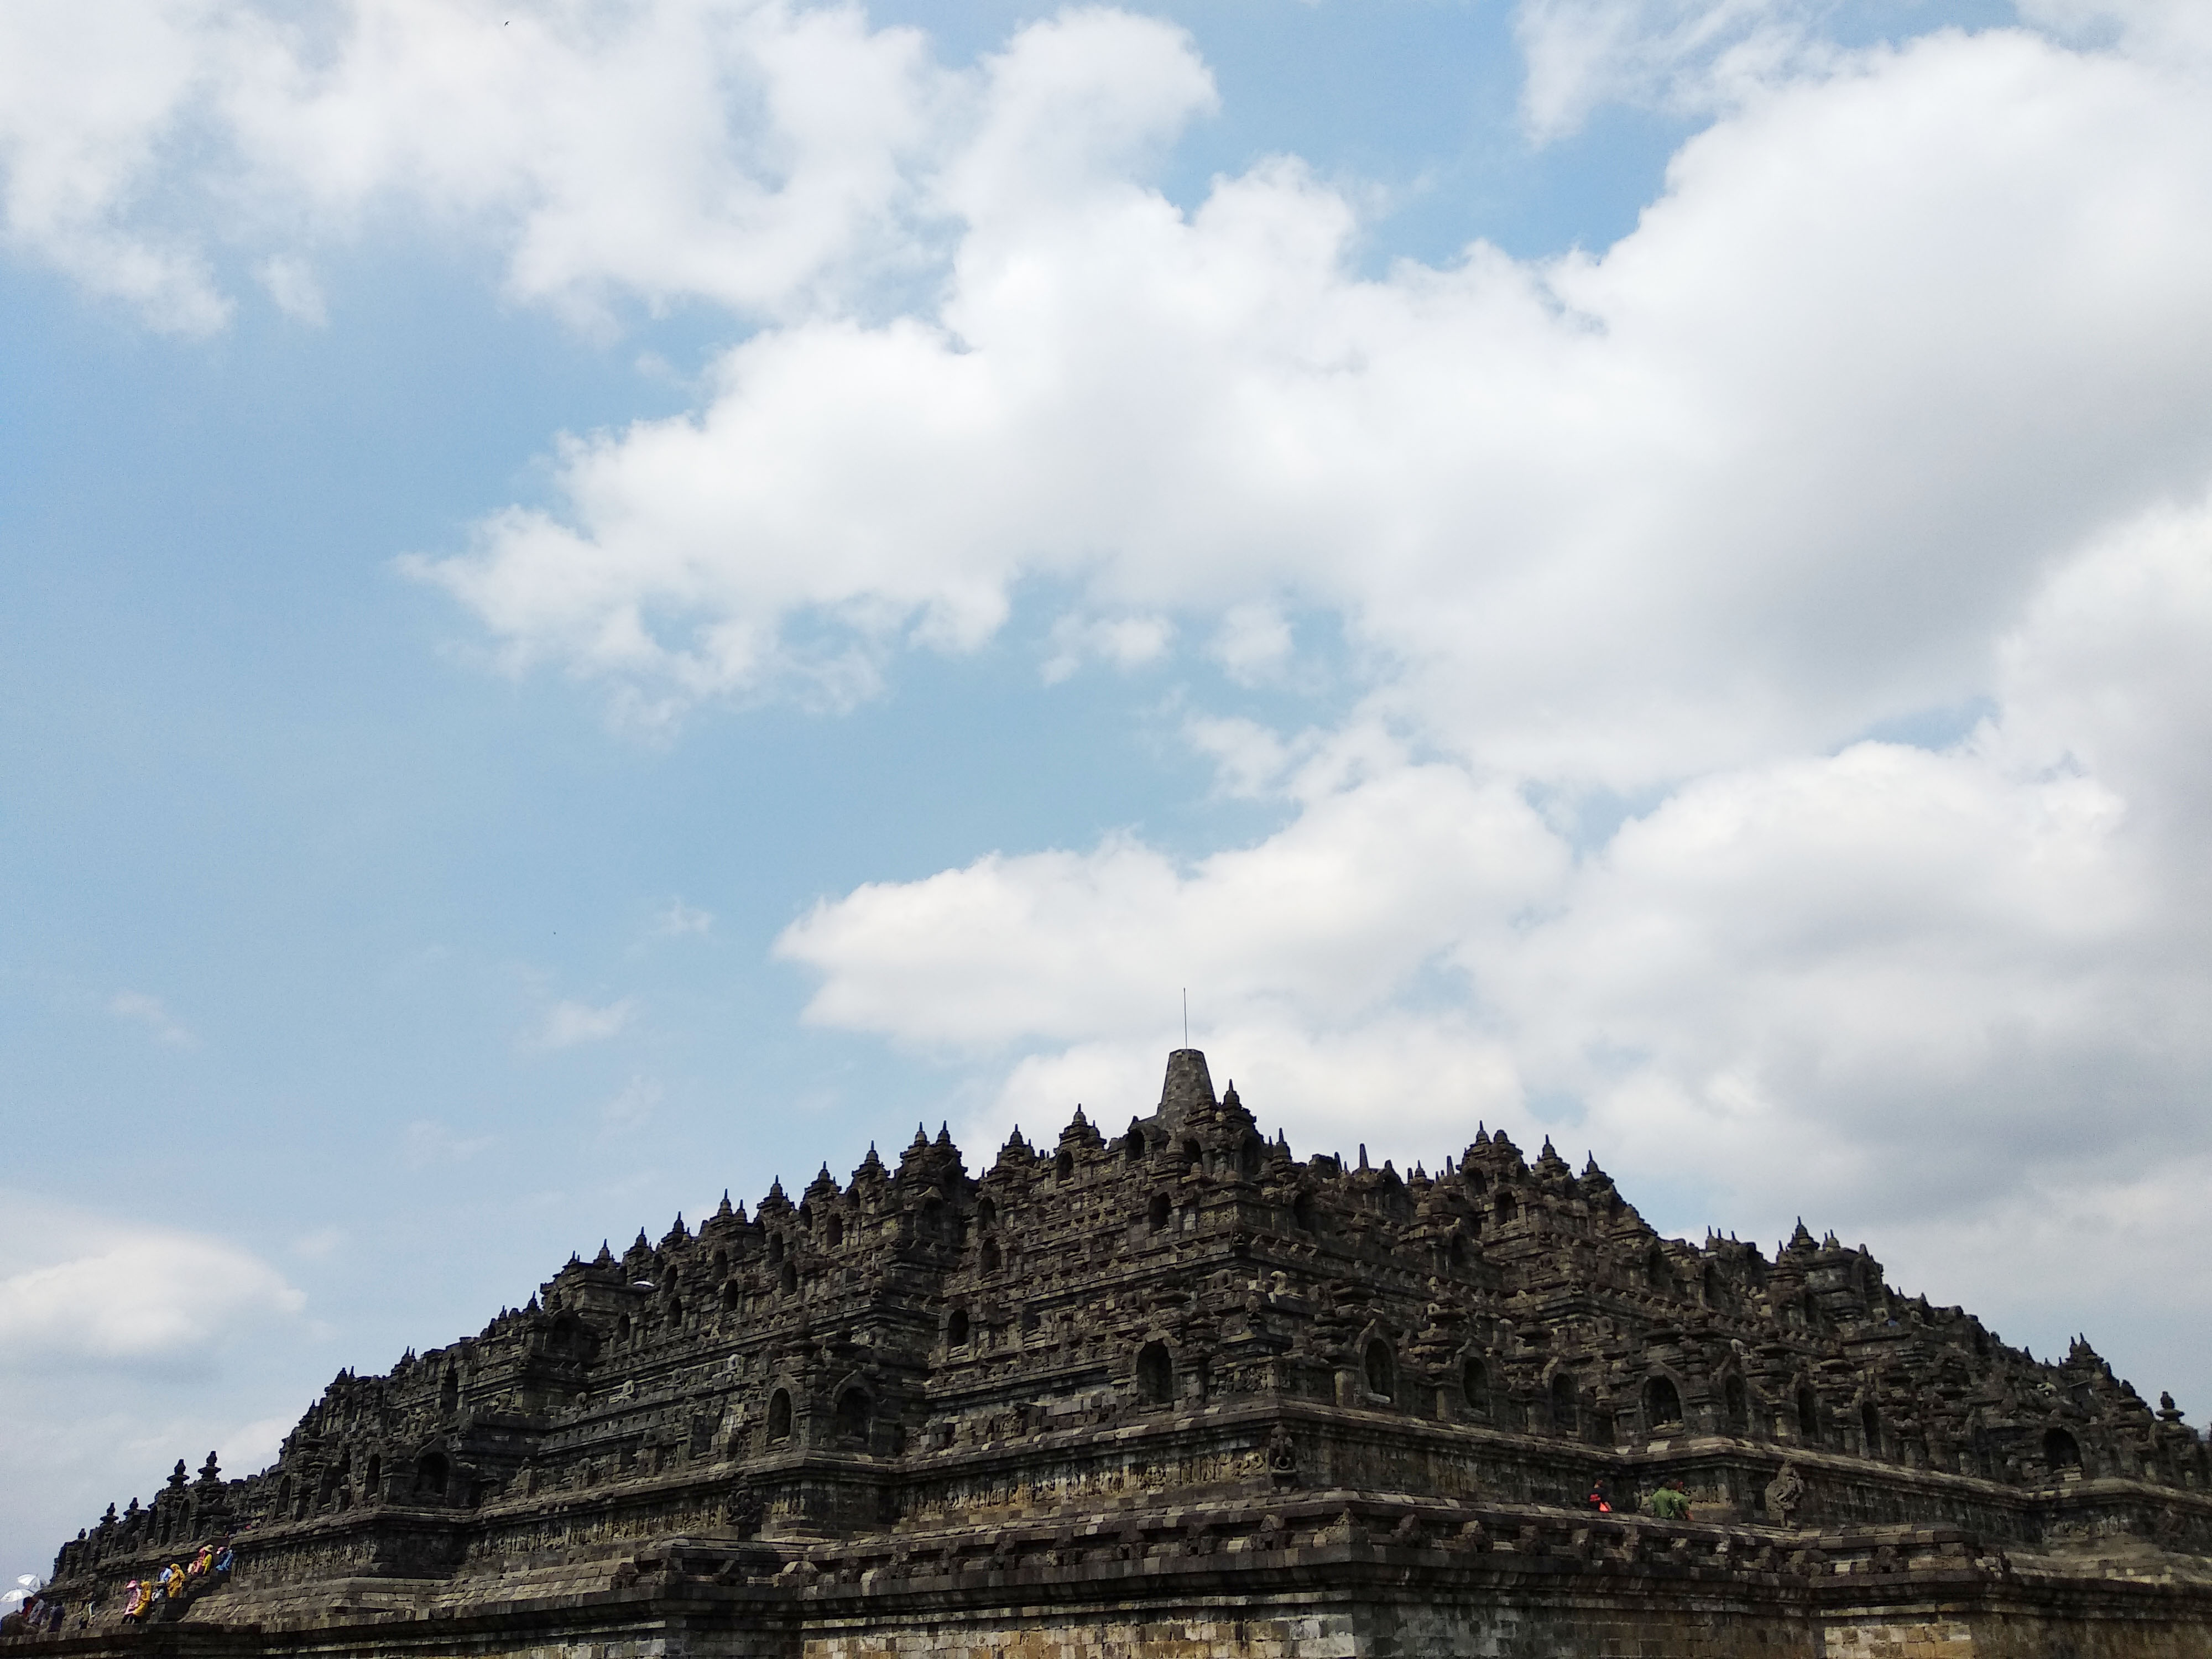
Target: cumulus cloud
{"x": 1325, "y": 922}
{"x": 1687, "y": 57}
{"x": 152, "y": 1014}
{"x": 78, "y": 1291}
{"x": 1252, "y": 643}
{"x": 680, "y": 919}
{"x": 1123, "y": 642}
{"x": 633, "y": 1107}
{"x": 1778, "y": 467}
{"x": 1897, "y": 398}
{"x": 568, "y": 1024}
{"x": 426, "y": 1144}
{"x": 1943, "y": 992}
{"x": 742, "y": 151}
{"x": 291, "y": 284}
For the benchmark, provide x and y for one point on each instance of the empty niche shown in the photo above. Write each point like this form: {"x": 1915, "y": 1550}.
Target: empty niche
{"x": 1382, "y": 1369}
{"x": 2061, "y": 1450}
{"x": 1563, "y": 1404}
{"x": 1663, "y": 1404}
{"x": 1154, "y": 1374}
{"x": 1808, "y": 1417}
{"x": 779, "y": 1415}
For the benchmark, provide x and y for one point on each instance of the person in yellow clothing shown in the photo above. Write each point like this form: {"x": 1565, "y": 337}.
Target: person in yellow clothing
{"x": 173, "y": 1583}
{"x": 140, "y": 1594}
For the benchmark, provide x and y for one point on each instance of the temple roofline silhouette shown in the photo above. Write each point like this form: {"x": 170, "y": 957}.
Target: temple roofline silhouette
{"x": 1172, "y": 1375}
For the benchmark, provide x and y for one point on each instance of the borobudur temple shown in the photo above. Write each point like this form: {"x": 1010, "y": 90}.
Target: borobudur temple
{"x": 1172, "y": 1392}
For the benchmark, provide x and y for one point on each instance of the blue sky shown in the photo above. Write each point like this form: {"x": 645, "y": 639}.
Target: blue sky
{"x": 601, "y": 603}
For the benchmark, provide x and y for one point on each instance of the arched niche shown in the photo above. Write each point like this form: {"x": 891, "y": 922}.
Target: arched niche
{"x": 854, "y": 1413}
{"x": 1565, "y": 1421}
{"x": 1154, "y": 1374}
{"x": 1380, "y": 1367}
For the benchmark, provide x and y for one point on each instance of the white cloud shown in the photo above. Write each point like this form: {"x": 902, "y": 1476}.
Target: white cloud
{"x": 82, "y": 110}
{"x": 77, "y": 1290}
{"x": 1321, "y": 925}
{"x": 291, "y": 284}
{"x": 1123, "y": 642}
{"x": 252, "y": 1446}
{"x": 1954, "y": 997}
{"x": 1250, "y": 760}
{"x": 153, "y": 1014}
{"x": 745, "y": 151}
{"x": 1778, "y": 467}
{"x": 634, "y": 1106}
{"x": 2170, "y": 29}
{"x": 426, "y": 1143}
{"x": 1898, "y": 398}
{"x": 680, "y": 919}
{"x": 568, "y": 1024}
{"x": 1687, "y": 57}
{"x": 1252, "y": 643}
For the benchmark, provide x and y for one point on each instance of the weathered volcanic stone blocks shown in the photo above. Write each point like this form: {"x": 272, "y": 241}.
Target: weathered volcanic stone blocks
{"x": 1169, "y": 1391}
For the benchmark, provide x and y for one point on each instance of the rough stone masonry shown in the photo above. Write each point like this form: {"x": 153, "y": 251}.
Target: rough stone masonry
{"x": 1170, "y": 1392}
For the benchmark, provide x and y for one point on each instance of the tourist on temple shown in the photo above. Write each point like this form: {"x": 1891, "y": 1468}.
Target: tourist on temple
{"x": 1668, "y": 1501}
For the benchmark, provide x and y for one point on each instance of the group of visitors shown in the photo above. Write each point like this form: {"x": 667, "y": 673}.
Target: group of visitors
{"x": 162, "y": 1597}
{"x": 1666, "y": 1502}
{"x": 39, "y": 1613}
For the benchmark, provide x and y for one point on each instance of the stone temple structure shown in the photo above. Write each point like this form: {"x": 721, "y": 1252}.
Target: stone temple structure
{"x": 1167, "y": 1391}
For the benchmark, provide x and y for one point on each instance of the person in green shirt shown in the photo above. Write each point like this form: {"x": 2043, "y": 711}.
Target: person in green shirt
{"x": 1669, "y": 1502}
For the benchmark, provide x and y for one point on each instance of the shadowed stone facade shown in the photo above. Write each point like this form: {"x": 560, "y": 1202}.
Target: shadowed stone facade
{"x": 1170, "y": 1391}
